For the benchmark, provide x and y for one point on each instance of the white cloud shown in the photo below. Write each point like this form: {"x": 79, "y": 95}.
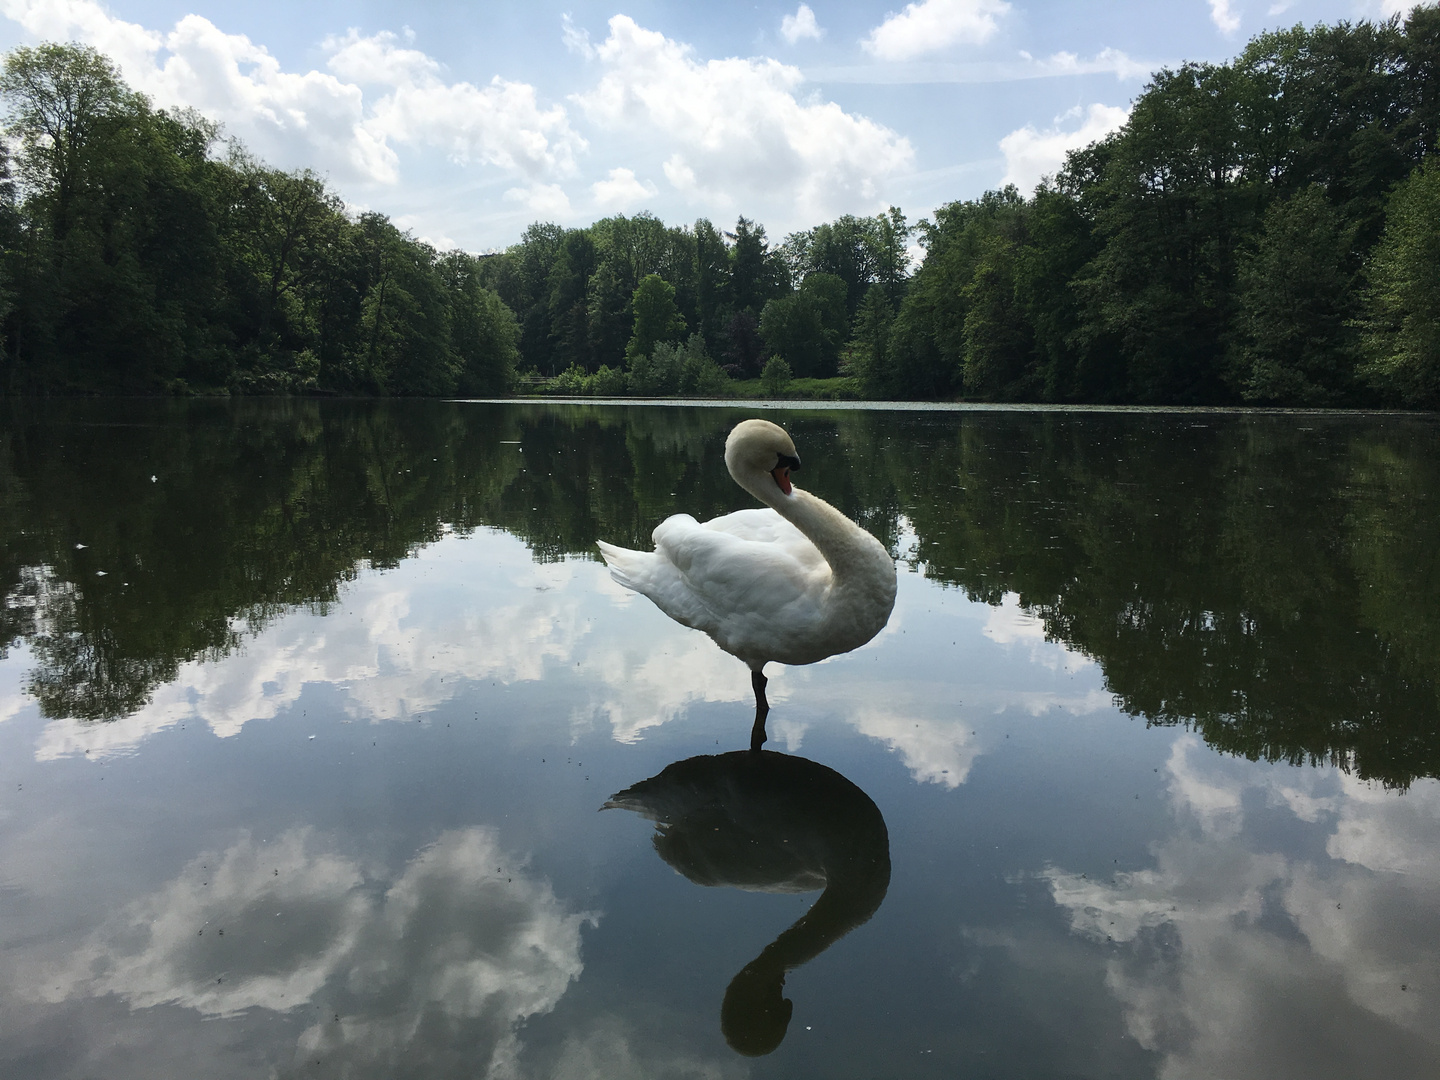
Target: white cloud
{"x": 244, "y": 890}
{"x": 377, "y": 60}
{"x": 322, "y": 119}
{"x": 610, "y": 1047}
{"x": 1031, "y": 155}
{"x": 645, "y": 687}
{"x": 1224, "y": 17}
{"x": 577, "y": 39}
{"x": 399, "y": 644}
{"x": 500, "y": 124}
{"x": 680, "y": 174}
{"x": 466, "y": 942}
{"x": 541, "y": 200}
{"x": 390, "y": 662}
{"x": 1383, "y": 831}
{"x": 1023, "y": 66}
{"x": 1213, "y": 803}
{"x": 736, "y": 130}
{"x": 621, "y": 190}
{"x": 800, "y": 25}
{"x": 128, "y": 44}
{"x": 1011, "y": 624}
{"x": 932, "y": 25}
{"x": 1106, "y": 61}
{"x": 934, "y": 751}
{"x": 1225, "y": 953}
{"x": 14, "y": 698}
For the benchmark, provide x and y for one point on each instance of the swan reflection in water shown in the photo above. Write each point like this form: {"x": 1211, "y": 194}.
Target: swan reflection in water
{"x": 769, "y": 822}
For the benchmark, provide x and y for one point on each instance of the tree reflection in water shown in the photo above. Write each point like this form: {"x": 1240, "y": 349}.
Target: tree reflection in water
{"x": 768, "y": 822}
{"x": 1268, "y": 580}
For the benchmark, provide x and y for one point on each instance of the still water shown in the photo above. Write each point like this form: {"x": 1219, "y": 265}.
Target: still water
{"x": 329, "y": 749}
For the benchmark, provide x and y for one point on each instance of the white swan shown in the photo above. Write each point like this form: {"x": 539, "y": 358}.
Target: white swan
{"x": 792, "y": 584}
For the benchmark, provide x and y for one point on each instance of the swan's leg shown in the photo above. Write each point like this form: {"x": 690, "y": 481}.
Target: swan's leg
{"x": 762, "y": 709}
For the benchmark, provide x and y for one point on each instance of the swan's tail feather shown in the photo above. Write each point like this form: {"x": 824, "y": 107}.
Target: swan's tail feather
{"x": 623, "y": 563}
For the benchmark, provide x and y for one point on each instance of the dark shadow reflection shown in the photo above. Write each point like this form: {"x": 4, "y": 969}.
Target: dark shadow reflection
{"x": 769, "y": 822}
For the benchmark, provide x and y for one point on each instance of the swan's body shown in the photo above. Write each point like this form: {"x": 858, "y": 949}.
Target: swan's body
{"x": 792, "y": 584}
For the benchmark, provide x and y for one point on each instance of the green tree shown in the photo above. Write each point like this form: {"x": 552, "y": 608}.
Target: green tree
{"x": 115, "y": 267}
{"x": 860, "y": 251}
{"x": 63, "y": 101}
{"x": 405, "y": 319}
{"x": 775, "y": 379}
{"x": 570, "y": 273}
{"x": 277, "y": 226}
{"x": 927, "y": 342}
{"x": 809, "y": 327}
{"x": 608, "y": 316}
{"x": 712, "y": 285}
{"x": 757, "y": 273}
{"x": 891, "y": 253}
{"x": 1293, "y": 345}
{"x": 844, "y": 248}
{"x": 699, "y": 375}
{"x": 521, "y": 277}
{"x": 1170, "y": 214}
{"x": 998, "y": 356}
{"x": 867, "y": 356}
{"x": 1402, "y": 299}
{"x": 484, "y": 333}
{"x": 657, "y": 318}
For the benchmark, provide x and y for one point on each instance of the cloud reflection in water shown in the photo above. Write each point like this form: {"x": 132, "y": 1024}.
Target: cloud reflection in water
{"x": 435, "y": 970}
{"x": 477, "y": 609}
{"x": 1226, "y": 952}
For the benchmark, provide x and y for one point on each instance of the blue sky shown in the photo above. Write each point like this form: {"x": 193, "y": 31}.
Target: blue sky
{"x": 466, "y": 121}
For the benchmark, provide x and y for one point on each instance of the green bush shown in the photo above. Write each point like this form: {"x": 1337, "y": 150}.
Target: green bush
{"x": 570, "y": 381}
{"x": 776, "y": 377}
{"x": 670, "y": 369}
{"x": 607, "y": 382}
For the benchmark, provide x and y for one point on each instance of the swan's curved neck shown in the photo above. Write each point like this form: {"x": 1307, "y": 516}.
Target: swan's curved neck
{"x": 844, "y": 905}
{"x": 839, "y": 539}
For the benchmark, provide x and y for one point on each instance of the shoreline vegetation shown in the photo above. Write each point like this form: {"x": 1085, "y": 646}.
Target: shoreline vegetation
{"x": 1264, "y": 232}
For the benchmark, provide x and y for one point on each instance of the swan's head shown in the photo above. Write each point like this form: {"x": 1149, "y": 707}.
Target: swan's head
{"x": 755, "y": 1013}
{"x": 758, "y": 447}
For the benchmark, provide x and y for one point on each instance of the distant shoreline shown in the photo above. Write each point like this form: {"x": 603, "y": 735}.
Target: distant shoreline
{"x": 794, "y": 404}
{"x": 945, "y": 406}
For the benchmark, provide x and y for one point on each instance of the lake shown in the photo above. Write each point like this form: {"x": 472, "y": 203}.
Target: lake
{"x": 310, "y": 713}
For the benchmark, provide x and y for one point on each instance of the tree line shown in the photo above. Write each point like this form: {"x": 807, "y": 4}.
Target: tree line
{"x": 1262, "y": 231}
{"x": 138, "y": 253}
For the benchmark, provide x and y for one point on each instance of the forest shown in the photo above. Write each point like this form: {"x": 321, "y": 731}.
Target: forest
{"x": 1259, "y": 232}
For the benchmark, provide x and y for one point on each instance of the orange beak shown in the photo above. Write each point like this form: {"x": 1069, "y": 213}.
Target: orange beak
{"x": 781, "y": 473}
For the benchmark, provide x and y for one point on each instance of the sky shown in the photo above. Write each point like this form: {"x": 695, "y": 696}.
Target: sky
{"x": 465, "y": 122}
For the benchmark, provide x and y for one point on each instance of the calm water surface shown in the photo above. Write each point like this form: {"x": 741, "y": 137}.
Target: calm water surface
{"x": 309, "y": 710}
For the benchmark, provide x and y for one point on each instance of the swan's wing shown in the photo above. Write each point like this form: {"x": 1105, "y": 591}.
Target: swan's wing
{"x": 653, "y": 575}
{"x": 752, "y": 572}
{"x": 776, "y": 542}
{"x": 763, "y": 527}
{"x": 750, "y": 580}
